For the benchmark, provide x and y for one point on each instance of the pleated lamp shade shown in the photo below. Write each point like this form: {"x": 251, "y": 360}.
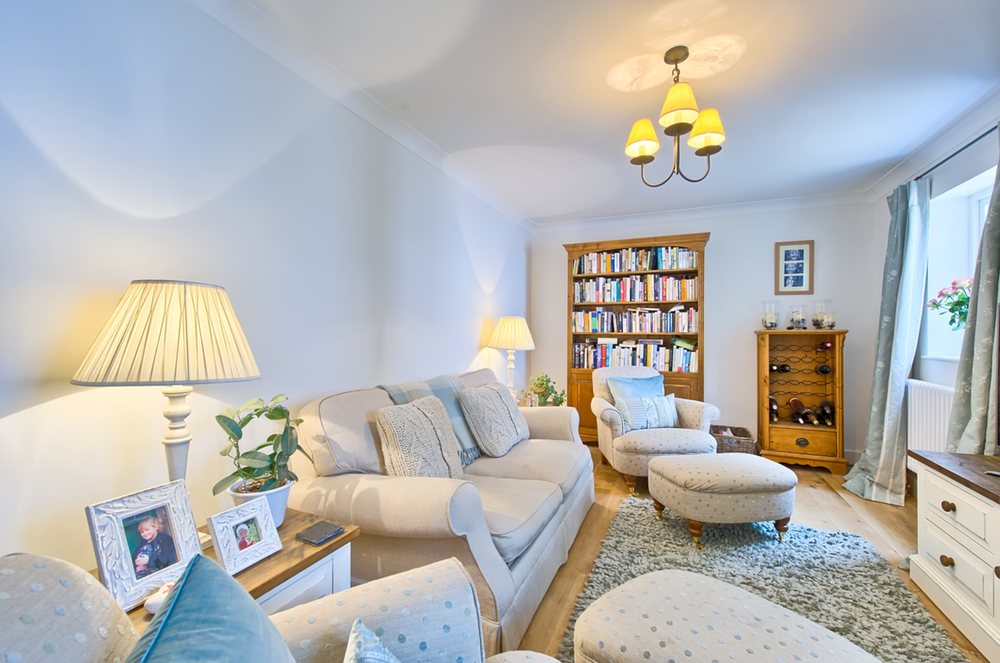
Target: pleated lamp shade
{"x": 511, "y": 333}
{"x": 169, "y": 333}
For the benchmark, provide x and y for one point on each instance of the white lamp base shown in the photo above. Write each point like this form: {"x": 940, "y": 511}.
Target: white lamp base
{"x": 510, "y": 373}
{"x": 177, "y": 438}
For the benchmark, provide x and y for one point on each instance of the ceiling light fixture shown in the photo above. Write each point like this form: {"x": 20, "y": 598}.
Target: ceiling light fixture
{"x": 679, "y": 116}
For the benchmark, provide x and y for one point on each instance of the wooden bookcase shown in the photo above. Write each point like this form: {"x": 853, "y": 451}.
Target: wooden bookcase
{"x": 788, "y": 441}
{"x": 633, "y": 315}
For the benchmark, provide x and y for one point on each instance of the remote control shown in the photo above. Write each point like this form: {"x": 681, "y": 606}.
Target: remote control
{"x": 993, "y": 473}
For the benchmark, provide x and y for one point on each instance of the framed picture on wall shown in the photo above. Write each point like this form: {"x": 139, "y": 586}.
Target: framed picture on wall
{"x": 244, "y": 535}
{"x": 143, "y": 541}
{"x": 793, "y": 268}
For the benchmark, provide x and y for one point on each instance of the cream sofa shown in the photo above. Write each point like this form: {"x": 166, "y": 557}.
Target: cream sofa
{"x": 510, "y": 520}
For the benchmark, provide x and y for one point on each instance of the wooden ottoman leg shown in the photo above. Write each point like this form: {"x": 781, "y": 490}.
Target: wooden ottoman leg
{"x": 659, "y": 509}
{"x": 630, "y": 482}
{"x": 604, "y": 459}
{"x": 695, "y": 528}
{"x": 782, "y": 527}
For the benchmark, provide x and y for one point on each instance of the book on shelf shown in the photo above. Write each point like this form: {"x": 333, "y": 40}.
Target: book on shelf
{"x": 636, "y": 260}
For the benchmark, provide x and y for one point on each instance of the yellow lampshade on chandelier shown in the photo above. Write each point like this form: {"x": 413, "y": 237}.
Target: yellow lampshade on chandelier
{"x": 680, "y": 116}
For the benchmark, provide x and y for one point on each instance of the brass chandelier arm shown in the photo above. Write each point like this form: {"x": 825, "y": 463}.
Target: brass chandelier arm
{"x": 677, "y": 167}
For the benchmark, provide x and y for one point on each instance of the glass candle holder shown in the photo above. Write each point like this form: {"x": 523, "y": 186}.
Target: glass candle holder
{"x": 797, "y": 316}
{"x": 819, "y": 313}
{"x": 830, "y": 320}
{"x": 769, "y": 313}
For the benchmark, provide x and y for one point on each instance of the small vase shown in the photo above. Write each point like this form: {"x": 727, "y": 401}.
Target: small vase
{"x": 277, "y": 499}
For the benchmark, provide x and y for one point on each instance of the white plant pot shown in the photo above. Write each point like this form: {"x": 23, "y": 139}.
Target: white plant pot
{"x": 277, "y": 499}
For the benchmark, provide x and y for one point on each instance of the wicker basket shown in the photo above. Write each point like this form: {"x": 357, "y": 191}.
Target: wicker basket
{"x": 733, "y": 439}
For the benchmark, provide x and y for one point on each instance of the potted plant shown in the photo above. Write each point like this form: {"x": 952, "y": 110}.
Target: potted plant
{"x": 263, "y": 469}
{"x": 542, "y": 387}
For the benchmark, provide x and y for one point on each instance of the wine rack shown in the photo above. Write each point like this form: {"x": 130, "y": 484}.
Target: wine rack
{"x": 803, "y": 351}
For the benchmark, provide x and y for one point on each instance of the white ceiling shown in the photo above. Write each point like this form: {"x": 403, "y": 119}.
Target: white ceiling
{"x": 817, "y": 98}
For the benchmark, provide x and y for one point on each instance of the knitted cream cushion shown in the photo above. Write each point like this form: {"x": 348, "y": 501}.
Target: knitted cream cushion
{"x": 417, "y": 440}
{"x": 495, "y": 420}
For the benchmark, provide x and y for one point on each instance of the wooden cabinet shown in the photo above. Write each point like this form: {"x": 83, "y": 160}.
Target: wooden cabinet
{"x": 801, "y": 354}
{"x": 644, "y": 298}
{"x": 957, "y": 563}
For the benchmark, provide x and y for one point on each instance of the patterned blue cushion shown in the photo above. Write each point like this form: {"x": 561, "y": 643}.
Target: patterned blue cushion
{"x": 643, "y": 413}
{"x": 208, "y": 616}
{"x": 363, "y": 646}
{"x": 622, "y": 388}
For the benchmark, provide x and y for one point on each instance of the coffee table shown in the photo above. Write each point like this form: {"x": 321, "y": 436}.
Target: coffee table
{"x": 296, "y": 574}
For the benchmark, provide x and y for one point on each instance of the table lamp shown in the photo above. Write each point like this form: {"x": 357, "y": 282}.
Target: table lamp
{"x": 173, "y": 334}
{"x": 510, "y": 334}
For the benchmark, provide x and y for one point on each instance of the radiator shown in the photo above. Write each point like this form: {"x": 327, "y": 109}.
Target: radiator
{"x": 928, "y": 410}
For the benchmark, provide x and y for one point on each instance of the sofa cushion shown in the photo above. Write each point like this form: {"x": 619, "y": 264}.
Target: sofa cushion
{"x": 478, "y": 378}
{"x": 643, "y": 413}
{"x": 339, "y": 432}
{"x": 648, "y": 387}
{"x": 665, "y": 441}
{"x": 494, "y": 418}
{"x": 208, "y": 616}
{"x": 53, "y": 610}
{"x": 561, "y": 462}
{"x": 516, "y": 510}
{"x": 602, "y": 375}
{"x": 363, "y": 646}
{"x": 446, "y": 389}
{"x": 417, "y": 440}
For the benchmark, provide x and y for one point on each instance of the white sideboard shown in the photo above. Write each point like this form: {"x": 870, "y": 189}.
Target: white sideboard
{"x": 957, "y": 563}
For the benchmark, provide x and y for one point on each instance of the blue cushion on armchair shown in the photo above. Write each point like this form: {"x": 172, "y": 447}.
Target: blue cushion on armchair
{"x": 208, "y": 616}
{"x": 622, "y": 388}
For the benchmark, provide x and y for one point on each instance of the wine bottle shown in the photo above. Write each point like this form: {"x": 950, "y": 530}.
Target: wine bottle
{"x": 774, "y": 368}
{"x": 772, "y": 403}
{"x": 784, "y": 368}
{"x": 823, "y": 369}
{"x": 823, "y": 345}
{"x": 826, "y": 410}
{"x": 801, "y": 413}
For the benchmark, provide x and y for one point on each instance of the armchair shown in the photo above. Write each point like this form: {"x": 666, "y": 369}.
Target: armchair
{"x": 629, "y": 453}
{"x": 421, "y": 615}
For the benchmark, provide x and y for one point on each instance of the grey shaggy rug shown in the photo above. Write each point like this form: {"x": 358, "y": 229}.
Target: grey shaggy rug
{"x": 836, "y": 579}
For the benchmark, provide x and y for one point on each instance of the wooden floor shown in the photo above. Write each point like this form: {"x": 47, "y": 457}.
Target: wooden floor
{"x": 820, "y": 502}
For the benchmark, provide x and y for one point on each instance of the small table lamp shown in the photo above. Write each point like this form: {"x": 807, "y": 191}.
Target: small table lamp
{"x": 510, "y": 334}
{"x": 172, "y": 334}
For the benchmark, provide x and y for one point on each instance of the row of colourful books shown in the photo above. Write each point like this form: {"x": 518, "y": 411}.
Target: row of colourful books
{"x": 636, "y": 321}
{"x": 669, "y": 358}
{"x": 636, "y": 260}
{"x": 647, "y": 288}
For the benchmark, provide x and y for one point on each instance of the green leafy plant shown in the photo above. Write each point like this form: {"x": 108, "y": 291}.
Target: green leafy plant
{"x": 953, "y": 301}
{"x": 264, "y": 467}
{"x": 542, "y": 386}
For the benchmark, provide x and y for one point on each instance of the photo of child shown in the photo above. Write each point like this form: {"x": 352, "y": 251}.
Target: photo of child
{"x": 247, "y": 533}
{"x": 150, "y": 543}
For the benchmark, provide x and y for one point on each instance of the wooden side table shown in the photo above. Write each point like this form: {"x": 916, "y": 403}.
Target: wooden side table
{"x": 296, "y": 574}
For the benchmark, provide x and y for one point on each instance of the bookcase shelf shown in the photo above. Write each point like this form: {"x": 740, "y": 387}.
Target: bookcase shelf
{"x": 626, "y": 253}
{"x": 786, "y": 440}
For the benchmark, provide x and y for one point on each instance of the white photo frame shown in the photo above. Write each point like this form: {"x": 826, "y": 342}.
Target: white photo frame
{"x": 232, "y": 529}
{"x": 132, "y": 560}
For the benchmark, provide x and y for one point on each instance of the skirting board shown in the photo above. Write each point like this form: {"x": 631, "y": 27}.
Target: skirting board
{"x": 982, "y": 634}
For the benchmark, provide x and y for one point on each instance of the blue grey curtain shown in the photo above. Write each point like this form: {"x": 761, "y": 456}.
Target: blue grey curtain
{"x": 973, "y": 425}
{"x": 880, "y": 474}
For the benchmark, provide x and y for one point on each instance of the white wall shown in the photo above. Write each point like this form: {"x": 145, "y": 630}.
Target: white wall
{"x": 145, "y": 140}
{"x": 850, "y": 245}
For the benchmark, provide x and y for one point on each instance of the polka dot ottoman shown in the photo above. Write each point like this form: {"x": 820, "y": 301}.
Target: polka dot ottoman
{"x": 723, "y": 488}
{"x": 680, "y": 617}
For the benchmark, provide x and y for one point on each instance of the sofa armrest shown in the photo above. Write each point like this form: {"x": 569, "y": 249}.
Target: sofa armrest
{"x": 553, "y": 423}
{"x": 448, "y": 513}
{"x": 609, "y": 419}
{"x": 695, "y": 414}
{"x": 428, "y": 609}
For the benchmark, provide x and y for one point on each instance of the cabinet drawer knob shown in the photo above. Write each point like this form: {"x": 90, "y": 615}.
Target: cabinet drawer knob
{"x": 947, "y": 506}
{"x": 802, "y": 442}
{"x": 947, "y": 561}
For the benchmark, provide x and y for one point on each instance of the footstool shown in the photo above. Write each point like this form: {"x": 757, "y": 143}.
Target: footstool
{"x": 723, "y": 488}
{"x": 679, "y": 616}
